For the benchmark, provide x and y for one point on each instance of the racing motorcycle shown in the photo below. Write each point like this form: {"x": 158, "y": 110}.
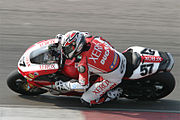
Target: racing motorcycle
{"x": 147, "y": 74}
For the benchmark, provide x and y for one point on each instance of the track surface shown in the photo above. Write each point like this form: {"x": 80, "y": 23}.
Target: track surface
{"x": 150, "y": 23}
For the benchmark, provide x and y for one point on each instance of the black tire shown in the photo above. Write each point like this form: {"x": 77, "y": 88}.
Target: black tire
{"x": 164, "y": 80}
{"x": 17, "y": 83}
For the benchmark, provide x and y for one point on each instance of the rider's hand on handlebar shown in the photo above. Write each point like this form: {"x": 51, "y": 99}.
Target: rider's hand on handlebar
{"x": 53, "y": 51}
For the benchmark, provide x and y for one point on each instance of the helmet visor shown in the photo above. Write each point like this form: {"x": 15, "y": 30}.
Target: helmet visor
{"x": 68, "y": 49}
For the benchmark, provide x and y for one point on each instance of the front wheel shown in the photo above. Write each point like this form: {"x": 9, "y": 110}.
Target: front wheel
{"x": 157, "y": 86}
{"x": 17, "y": 83}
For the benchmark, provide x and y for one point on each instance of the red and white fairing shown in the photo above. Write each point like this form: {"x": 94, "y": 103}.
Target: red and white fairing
{"x": 150, "y": 61}
{"x": 32, "y": 70}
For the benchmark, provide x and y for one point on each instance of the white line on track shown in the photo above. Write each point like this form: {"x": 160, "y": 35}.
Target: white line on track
{"x": 34, "y": 113}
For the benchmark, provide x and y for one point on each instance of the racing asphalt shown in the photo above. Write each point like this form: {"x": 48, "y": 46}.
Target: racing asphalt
{"x": 150, "y": 23}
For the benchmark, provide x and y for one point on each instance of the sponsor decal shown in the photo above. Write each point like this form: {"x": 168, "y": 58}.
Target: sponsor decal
{"x": 104, "y": 87}
{"x": 96, "y": 53}
{"x": 106, "y": 54}
{"x": 114, "y": 61}
{"x": 101, "y": 87}
{"x": 46, "y": 42}
{"x": 152, "y": 59}
{"x": 31, "y": 76}
{"x": 47, "y": 67}
{"x": 27, "y": 61}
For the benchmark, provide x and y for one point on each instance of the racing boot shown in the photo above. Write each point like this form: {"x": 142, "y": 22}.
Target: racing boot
{"x": 62, "y": 86}
{"x": 113, "y": 94}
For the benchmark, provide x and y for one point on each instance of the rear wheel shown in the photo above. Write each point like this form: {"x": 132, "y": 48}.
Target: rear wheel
{"x": 157, "y": 86}
{"x": 17, "y": 83}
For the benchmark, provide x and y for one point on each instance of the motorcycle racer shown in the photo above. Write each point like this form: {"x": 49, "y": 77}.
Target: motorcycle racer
{"x": 147, "y": 76}
{"x": 94, "y": 56}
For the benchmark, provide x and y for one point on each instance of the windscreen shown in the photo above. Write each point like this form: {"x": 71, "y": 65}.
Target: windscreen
{"x": 41, "y": 56}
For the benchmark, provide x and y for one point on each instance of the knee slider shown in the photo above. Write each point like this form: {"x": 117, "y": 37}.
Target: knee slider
{"x": 85, "y": 103}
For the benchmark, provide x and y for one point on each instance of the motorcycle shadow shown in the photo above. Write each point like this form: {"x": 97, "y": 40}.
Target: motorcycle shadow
{"x": 123, "y": 109}
{"x": 70, "y": 102}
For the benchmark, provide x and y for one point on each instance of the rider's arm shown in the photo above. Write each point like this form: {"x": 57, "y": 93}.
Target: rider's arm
{"x": 83, "y": 81}
{"x": 78, "y": 85}
{"x": 83, "y": 72}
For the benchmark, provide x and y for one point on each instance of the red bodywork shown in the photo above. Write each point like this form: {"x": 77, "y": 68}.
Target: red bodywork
{"x": 31, "y": 71}
{"x": 69, "y": 70}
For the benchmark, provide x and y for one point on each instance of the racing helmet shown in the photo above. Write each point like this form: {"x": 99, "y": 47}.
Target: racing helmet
{"x": 72, "y": 43}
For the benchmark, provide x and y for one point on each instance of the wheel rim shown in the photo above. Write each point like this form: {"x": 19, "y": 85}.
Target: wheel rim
{"x": 21, "y": 84}
{"x": 155, "y": 90}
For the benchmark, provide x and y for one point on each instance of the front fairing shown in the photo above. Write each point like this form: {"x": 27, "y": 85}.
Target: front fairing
{"x": 36, "y": 61}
